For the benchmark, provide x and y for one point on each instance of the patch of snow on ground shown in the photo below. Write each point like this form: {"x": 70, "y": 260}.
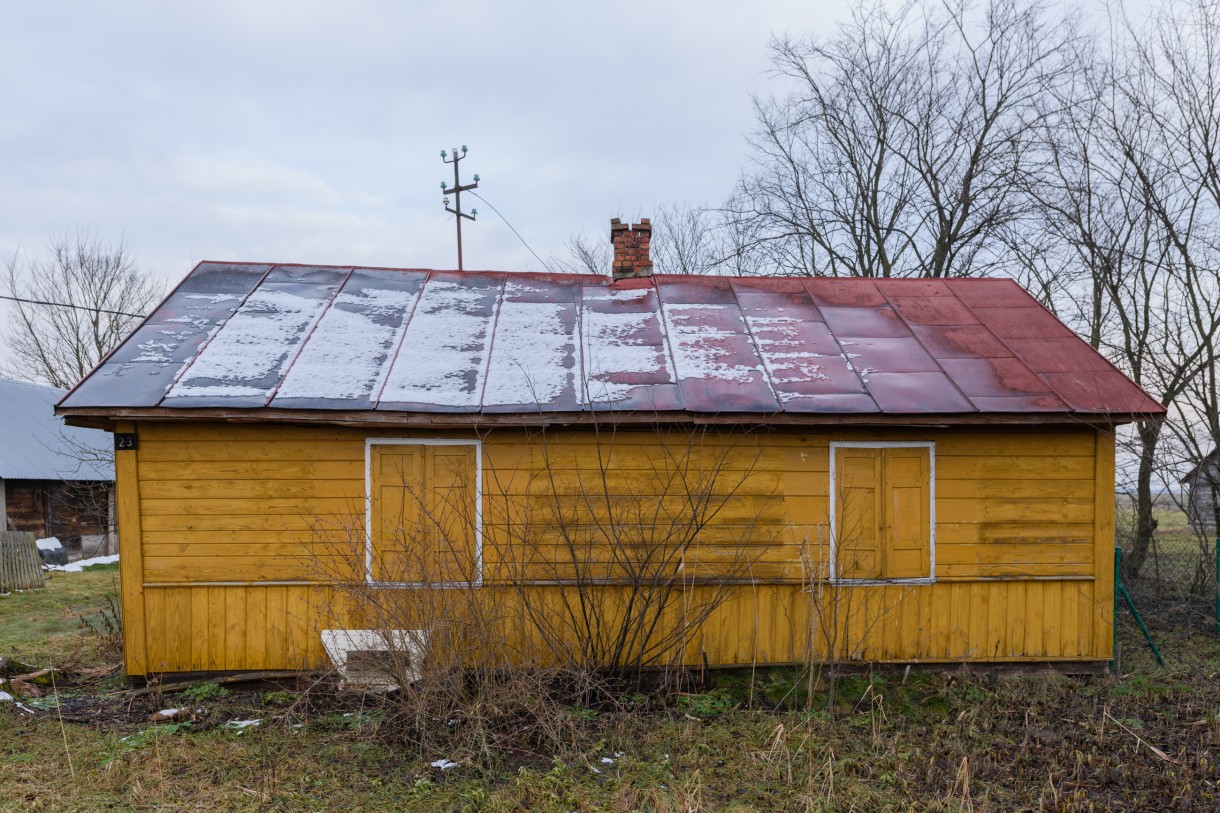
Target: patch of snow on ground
{"x": 444, "y": 354}
{"x": 348, "y": 355}
{"x": 5, "y": 697}
{"x": 77, "y": 567}
{"x": 241, "y": 725}
{"x": 445, "y": 764}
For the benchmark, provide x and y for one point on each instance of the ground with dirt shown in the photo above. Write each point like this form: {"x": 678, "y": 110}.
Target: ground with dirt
{"x": 1147, "y": 740}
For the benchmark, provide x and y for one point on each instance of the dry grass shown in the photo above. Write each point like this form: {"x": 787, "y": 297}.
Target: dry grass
{"x": 49, "y": 626}
{"x": 941, "y": 742}
{"x": 1148, "y": 740}
{"x": 936, "y": 742}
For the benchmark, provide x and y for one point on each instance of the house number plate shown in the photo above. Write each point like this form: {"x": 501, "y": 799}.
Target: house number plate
{"x": 124, "y": 441}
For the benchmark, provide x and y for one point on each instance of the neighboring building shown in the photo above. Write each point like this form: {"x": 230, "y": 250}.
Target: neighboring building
{"x": 941, "y": 452}
{"x": 55, "y": 480}
{"x": 1203, "y": 484}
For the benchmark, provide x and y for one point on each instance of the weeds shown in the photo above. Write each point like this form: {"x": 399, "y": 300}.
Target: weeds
{"x": 1007, "y": 743}
{"x": 106, "y": 624}
{"x": 146, "y": 737}
{"x": 712, "y": 704}
{"x": 203, "y": 692}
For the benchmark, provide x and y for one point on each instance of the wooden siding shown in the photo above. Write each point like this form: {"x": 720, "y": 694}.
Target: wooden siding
{"x": 67, "y": 510}
{"x": 244, "y": 532}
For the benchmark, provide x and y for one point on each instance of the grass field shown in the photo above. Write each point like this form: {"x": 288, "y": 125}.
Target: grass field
{"x": 1149, "y": 740}
{"x": 46, "y": 626}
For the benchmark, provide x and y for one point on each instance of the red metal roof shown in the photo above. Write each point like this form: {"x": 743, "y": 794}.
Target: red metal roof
{"x": 311, "y": 337}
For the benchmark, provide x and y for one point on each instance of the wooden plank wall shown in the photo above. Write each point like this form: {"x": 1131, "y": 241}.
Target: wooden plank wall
{"x": 245, "y": 530}
{"x": 66, "y": 510}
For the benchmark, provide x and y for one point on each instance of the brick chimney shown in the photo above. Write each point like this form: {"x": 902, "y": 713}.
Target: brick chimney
{"x": 631, "y": 249}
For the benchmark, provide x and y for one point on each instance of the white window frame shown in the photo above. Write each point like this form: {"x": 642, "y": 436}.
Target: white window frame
{"x": 835, "y": 445}
{"x": 369, "y": 443}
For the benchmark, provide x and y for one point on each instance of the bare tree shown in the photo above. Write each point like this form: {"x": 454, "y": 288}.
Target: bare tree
{"x": 1130, "y": 219}
{"x": 902, "y": 147}
{"x": 586, "y": 255}
{"x": 686, "y": 239}
{"x": 59, "y": 345}
{"x": 635, "y": 543}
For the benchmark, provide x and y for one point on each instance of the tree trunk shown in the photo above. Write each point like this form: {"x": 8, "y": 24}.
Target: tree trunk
{"x": 1145, "y": 522}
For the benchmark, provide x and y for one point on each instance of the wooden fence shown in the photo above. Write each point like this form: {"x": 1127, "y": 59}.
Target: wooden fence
{"x": 20, "y": 564}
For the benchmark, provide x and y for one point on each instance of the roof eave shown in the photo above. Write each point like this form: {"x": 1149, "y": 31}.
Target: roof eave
{"x": 104, "y": 418}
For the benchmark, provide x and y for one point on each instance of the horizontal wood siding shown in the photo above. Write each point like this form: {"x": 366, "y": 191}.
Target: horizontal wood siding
{"x": 223, "y": 510}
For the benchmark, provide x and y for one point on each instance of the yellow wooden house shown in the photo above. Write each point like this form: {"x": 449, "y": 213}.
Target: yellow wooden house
{"x": 817, "y": 469}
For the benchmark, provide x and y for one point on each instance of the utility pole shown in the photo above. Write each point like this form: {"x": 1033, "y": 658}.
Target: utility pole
{"x": 457, "y": 191}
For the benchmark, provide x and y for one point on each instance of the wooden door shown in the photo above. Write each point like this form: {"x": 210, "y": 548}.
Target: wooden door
{"x": 424, "y": 514}
{"x": 882, "y": 522}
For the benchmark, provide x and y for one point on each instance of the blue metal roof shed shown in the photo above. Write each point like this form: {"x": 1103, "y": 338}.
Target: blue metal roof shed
{"x": 36, "y": 445}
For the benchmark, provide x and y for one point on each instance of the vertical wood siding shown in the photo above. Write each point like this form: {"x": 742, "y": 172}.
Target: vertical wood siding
{"x": 242, "y": 533}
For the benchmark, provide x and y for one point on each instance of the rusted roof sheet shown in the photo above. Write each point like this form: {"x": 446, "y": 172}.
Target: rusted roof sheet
{"x": 360, "y": 339}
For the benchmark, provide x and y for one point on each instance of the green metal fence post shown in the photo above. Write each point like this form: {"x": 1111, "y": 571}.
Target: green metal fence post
{"x": 1120, "y": 589}
{"x": 1216, "y": 586}
{"x": 1118, "y": 564}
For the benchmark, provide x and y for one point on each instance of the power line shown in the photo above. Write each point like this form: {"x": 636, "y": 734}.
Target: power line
{"x": 510, "y": 225}
{"x": 74, "y": 307}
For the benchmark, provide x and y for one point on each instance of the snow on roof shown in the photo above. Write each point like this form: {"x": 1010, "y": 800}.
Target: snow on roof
{"x": 313, "y": 337}
{"x": 36, "y": 445}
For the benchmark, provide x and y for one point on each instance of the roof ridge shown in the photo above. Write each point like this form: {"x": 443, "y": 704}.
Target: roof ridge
{"x": 34, "y": 385}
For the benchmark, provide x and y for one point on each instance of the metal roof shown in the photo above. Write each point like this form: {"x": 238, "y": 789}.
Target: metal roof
{"x": 244, "y": 336}
{"x": 36, "y": 445}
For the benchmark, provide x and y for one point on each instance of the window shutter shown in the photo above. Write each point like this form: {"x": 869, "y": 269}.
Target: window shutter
{"x": 907, "y": 524}
{"x": 859, "y": 514}
{"x": 883, "y": 513}
{"x": 424, "y": 514}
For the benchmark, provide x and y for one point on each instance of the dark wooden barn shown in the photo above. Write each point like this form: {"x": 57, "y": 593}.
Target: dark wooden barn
{"x": 55, "y": 480}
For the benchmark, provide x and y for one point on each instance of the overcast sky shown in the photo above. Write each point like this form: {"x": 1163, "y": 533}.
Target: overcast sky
{"x": 310, "y": 132}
